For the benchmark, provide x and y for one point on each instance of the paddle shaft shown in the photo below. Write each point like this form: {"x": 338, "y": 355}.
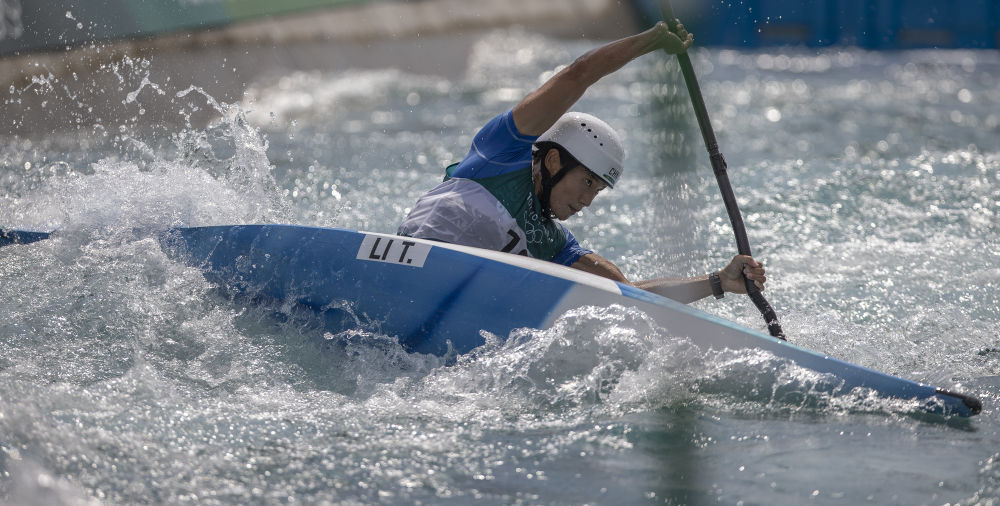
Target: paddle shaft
{"x": 721, "y": 176}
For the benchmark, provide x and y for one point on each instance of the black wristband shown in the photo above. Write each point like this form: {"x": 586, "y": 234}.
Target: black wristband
{"x": 713, "y": 278}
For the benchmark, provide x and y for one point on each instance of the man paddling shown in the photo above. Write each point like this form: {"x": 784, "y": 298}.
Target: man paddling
{"x": 538, "y": 163}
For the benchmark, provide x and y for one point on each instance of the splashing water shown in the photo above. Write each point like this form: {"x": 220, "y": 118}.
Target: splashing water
{"x": 127, "y": 378}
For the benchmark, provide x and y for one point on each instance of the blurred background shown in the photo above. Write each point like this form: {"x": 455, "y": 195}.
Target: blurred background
{"x": 874, "y": 24}
{"x": 208, "y": 39}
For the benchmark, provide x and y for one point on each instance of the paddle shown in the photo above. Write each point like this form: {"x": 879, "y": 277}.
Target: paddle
{"x": 719, "y": 167}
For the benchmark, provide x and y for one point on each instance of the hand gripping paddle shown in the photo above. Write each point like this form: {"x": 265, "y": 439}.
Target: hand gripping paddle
{"x": 719, "y": 167}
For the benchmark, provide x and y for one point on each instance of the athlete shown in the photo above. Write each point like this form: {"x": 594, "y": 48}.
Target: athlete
{"x": 538, "y": 163}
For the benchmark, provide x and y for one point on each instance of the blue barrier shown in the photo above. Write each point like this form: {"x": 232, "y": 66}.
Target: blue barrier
{"x": 872, "y": 24}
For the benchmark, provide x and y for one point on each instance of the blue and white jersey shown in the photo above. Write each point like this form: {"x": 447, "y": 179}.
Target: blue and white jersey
{"x": 488, "y": 201}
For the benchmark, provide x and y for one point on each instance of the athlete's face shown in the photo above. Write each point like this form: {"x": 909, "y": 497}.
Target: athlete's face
{"x": 575, "y": 191}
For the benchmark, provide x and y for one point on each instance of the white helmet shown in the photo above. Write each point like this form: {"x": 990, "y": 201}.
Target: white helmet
{"x": 591, "y": 141}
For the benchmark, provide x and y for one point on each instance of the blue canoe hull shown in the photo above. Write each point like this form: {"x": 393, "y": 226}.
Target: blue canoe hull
{"x": 8, "y": 237}
{"x": 437, "y": 298}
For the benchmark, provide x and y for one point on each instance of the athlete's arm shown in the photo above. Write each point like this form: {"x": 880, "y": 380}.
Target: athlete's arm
{"x": 683, "y": 290}
{"x": 541, "y": 108}
{"x": 596, "y": 264}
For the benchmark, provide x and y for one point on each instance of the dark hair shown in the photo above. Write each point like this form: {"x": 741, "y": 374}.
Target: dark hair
{"x": 565, "y": 159}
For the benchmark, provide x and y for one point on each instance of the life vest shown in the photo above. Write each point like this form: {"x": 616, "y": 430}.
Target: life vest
{"x": 500, "y": 213}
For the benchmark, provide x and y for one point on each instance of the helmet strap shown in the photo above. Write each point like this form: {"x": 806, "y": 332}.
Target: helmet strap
{"x": 548, "y": 182}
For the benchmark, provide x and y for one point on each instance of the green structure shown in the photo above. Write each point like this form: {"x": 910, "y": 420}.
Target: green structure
{"x": 56, "y": 24}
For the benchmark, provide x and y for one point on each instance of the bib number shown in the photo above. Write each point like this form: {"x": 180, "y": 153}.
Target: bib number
{"x": 515, "y": 240}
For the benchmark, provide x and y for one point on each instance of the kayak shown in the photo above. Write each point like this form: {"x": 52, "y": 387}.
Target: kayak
{"x": 439, "y": 298}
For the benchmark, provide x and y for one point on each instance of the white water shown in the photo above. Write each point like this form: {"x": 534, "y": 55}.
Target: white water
{"x": 869, "y": 183}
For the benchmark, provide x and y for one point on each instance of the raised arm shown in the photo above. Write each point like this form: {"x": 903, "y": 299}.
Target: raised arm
{"x": 541, "y": 108}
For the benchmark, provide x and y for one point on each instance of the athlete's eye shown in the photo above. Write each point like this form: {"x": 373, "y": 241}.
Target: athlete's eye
{"x": 590, "y": 182}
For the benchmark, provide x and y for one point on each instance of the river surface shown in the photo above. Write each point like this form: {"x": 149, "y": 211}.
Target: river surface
{"x": 870, "y": 186}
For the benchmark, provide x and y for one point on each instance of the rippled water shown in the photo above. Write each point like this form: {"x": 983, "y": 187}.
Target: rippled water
{"x": 870, "y": 184}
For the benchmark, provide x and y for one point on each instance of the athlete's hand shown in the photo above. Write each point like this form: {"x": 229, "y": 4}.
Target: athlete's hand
{"x": 732, "y": 275}
{"x": 674, "y": 42}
